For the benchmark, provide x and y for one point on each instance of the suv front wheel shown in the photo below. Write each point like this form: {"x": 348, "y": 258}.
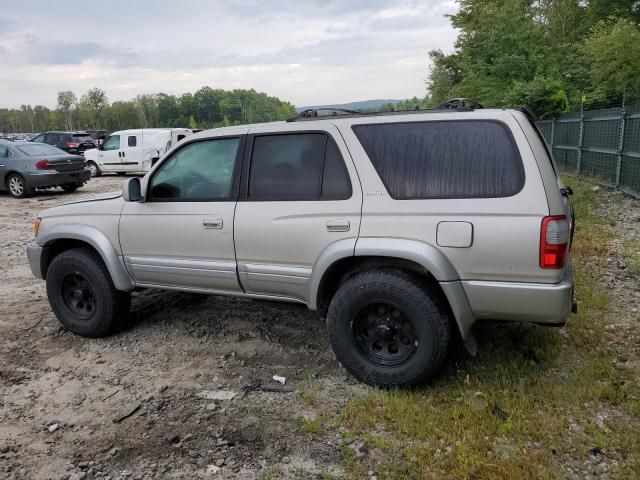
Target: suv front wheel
{"x": 94, "y": 169}
{"x": 387, "y": 329}
{"x": 82, "y": 294}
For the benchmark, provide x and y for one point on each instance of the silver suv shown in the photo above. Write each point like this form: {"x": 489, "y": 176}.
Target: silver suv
{"x": 402, "y": 229}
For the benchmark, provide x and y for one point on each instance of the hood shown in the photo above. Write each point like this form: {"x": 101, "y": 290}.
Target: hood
{"x": 104, "y": 204}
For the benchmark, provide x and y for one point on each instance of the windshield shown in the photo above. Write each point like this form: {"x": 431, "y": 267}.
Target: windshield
{"x": 34, "y": 149}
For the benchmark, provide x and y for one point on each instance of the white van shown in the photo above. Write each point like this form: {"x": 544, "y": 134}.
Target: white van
{"x": 133, "y": 150}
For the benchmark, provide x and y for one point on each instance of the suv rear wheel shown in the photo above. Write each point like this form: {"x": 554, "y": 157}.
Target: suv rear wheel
{"x": 82, "y": 294}
{"x": 387, "y": 329}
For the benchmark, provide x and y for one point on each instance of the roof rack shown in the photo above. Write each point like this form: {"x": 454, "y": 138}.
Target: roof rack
{"x": 461, "y": 102}
{"x": 453, "y": 105}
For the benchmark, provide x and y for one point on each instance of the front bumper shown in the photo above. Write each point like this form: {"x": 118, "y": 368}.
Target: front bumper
{"x": 53, "y": 179}
{"x": 34, "y": 254}
{"x": 528, "y": 302}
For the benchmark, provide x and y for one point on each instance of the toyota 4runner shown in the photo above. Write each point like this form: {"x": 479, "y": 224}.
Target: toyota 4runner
{"x": 401, "y": 228}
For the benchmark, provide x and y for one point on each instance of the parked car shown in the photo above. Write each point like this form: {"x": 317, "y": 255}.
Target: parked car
{"x": 403, "y": 229}
{"x": 133, "y": 151}
{"x": 71, "y": 142}
{"x": 27, "y": 166}
{"x": 98, "y": 135}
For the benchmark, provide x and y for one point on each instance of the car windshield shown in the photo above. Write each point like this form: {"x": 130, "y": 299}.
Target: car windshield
{"x": 34, "y": 149}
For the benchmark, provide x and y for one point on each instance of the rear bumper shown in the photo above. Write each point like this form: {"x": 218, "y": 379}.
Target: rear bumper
{"x": 53, "y": 179}
{"x": 529, "y": 302}
{"x": 34, "y": 254}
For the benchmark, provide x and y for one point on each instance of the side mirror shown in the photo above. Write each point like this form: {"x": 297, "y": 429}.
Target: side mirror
{"x": 131, "y": 190}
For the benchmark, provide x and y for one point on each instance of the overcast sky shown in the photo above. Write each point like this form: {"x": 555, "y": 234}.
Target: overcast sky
{"x": 304, "y": 51}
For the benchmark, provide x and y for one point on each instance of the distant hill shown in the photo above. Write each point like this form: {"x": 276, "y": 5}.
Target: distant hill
{"x": 362, "y": 105}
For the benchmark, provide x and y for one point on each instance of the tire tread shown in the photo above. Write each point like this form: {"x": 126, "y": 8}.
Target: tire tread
{"x": 400, "y": 283}
{"x": 117, "y": 303}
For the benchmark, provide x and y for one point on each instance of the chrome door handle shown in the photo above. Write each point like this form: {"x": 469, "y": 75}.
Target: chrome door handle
{"x": 212, "y": 222}
{"x": 338, "y": 225}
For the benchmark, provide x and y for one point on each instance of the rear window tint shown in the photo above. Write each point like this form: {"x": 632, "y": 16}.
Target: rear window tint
{"x": 448, "y": 159}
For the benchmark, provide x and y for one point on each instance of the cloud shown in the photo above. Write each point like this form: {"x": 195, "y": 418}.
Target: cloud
{"x": 316, "y": 51}
{"x": 53, "y": 52}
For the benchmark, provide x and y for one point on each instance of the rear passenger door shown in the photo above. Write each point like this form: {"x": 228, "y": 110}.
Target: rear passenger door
{"x": 300, "y": 195}
{"x": 55, "y": 139}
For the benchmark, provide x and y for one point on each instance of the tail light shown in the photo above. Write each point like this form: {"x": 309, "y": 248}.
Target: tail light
{"x": 554, "y": 241}
{"x": 44, "y": 165}
{"x": 71, "y": 144}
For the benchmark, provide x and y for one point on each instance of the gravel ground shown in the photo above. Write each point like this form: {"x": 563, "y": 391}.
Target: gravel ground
{"x": 62, "y": 397}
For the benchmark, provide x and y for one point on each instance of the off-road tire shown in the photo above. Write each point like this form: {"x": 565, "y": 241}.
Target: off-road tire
{"x": 111, "y": 306}
{"x": 406, "y": 293}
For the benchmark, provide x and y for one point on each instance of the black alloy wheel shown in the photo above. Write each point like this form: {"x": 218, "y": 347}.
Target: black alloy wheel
{"x": 78, "y": 296}
{"x": 384, "y": 335}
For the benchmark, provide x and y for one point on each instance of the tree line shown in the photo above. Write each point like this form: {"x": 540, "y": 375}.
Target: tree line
{"x": 206, "y": 108}
{"x": 552, "y": 56}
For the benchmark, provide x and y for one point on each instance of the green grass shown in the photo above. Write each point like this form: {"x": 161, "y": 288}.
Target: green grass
{"x": 632, "y": 258}
{"x": 272, "y": 473}
{"x": 309, "y": 392}
{"x": 312, "y": 427}
{"x": 543, "y": 391}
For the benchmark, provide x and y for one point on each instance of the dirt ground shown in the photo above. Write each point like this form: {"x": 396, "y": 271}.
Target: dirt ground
{"x": 165, "y": 397}
{"x": 62, "y": 396}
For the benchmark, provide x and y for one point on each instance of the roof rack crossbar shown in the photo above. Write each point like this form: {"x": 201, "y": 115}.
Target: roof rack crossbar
{"x": 312, "y": 114}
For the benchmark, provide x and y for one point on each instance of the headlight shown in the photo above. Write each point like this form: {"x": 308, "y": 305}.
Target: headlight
{"x": 36, "y": 226}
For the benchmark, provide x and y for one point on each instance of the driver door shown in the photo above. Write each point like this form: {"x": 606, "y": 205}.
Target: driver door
{"x": 109, "y": 153}
{"x": 181, "y": 235}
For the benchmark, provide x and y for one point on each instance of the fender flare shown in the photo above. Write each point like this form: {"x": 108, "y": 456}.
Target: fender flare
{"x": 99, "y": 241}
{"x": 421, "y": 253}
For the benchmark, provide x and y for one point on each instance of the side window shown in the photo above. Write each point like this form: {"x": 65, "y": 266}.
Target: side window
{"x": 4, "y": 152}
{"x": 335, "y": 179}
{"x": 39, "y": 138}
{"x": 200, "y": 171}
{"x": 444, "y": 159}
{"x": 112, "y": 143}
{"x": 290, "y": 167}
{"x": 132, "y": 141}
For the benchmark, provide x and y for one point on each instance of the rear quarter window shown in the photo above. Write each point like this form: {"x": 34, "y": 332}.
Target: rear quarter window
{"x": 444, "y": 159}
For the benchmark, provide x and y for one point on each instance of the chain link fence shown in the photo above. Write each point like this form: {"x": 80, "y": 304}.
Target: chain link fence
{"x": 603, "y": 145}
